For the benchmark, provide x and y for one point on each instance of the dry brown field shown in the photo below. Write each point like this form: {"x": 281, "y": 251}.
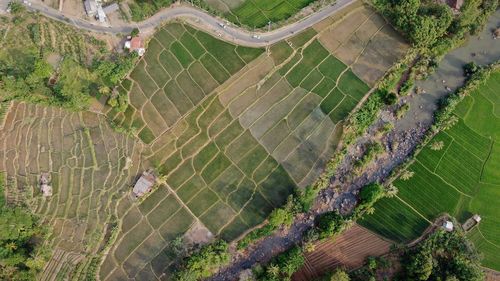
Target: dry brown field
{"x": 492, "y": 275}
{"x": 361, "y": 38}
{"x": 349, "y": 250}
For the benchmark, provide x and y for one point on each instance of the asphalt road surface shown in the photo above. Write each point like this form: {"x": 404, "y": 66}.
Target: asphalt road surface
{"x": 200, "y": 18}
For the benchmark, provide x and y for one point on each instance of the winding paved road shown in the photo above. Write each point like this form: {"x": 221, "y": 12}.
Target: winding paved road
{"x": 200, "y": 18}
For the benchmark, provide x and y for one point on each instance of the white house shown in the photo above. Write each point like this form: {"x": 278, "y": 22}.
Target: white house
{"x": 448, "y": 226}
{"x": 135, "y": 44}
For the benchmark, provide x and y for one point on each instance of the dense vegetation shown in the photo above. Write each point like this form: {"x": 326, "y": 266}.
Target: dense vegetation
{"x": 27, "y": 73}
{"x": 20, "y": 235}
{"x": 204, "y": 262}
{"x": 282, "y": 266}
{"x": 442, "y": 256}
{"x": 433, "y": 28}
{"x": 142, "y": 9}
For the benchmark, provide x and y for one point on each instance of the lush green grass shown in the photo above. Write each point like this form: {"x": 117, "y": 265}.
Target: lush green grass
{"x": 395, "y": 220}
{"x": 280, "y": 52}
{"x": 181, "y": 54}
{"x": 453, "y": 180}
{"x": 258, "y": 13}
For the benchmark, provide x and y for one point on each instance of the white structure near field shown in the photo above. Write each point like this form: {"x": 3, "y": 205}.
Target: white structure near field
{"x": 135, "y": 44}
{"x": 471, "y": 222}
{"x": 94, "y": 8}
{"x": 144, "y": 184}
{"x": 448, "y": 226}
{"x": 45, "y": 188}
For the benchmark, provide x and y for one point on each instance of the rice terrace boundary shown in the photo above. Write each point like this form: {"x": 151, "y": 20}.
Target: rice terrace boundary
{"x": 230, "y": 131}
{"x": 285, "y": 93}
{"x": 456, "y": 173}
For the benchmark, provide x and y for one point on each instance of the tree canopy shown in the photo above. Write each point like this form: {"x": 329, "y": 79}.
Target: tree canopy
{"x": 442, "y": 256}
{"x": 18, "y": 248}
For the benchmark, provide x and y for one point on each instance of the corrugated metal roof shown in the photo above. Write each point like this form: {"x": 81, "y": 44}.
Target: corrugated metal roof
{"x": 111, "y": 8}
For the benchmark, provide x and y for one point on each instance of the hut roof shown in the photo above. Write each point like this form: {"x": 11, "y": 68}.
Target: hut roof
{"x": 144, "y": 184}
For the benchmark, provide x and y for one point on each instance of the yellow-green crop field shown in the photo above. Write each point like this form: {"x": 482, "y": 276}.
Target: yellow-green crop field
{"x": 462, "y": 178}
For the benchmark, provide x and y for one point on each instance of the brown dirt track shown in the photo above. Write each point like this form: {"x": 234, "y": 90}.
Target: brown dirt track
{"x": 492, "y": 275}
{"x": 349, "y": 250}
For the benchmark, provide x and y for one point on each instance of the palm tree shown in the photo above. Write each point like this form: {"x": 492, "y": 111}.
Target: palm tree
{"x": 273, "y": 270}
{"x": 104, "y": 90}
{"x": 406, "y": 175}
{"x": 437, "y": 145}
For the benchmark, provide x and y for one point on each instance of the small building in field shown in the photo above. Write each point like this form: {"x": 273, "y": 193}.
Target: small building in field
{"x": 111, "y": 8}
{"x": 101, "y": 15}
{"x": 144, "y": 184}
{"x": 476, "y": 218}
{"x": 135, "y": 44}
{"x": 448, "y": 226}
{"x": 471, "y": 222}
{"x": 90, "y": 7}
{"x": 44, "y": 182}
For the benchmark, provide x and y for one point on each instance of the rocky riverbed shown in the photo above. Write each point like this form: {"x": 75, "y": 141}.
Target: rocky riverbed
{"x": 399, "y": 144}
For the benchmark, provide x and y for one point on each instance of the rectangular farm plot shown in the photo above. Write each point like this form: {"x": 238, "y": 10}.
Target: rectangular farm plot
{"x": 179, "y": 70}
{"x": 395, "y": 220}
{"x": 222, "y": 176}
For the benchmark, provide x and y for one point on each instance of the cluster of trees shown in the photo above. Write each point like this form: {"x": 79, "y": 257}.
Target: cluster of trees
{"x": 112, "y": 71}
{"x": 282, "y": 266}
{"x": 20, "y": 235}
{"x": 204, "y": 262}
{"x": 427, "y": 24}
{"x": 279, "y": 217}
{"x": 372, "y": 150}
{"x": 142, "y": 9}
{"x": 25, "y": 73}
{"x": 25, "y": 76}
{"x": 442, "y": 256}
{"x": 433, "y": 28}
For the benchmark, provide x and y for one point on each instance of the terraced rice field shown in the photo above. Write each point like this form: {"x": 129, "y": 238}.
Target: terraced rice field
{"x": 86, "y": 160}
{"x": 229, "y": 130}
{"x": 349, "y": 250}
{"x": 246, "y": 132}
{"x": 460, "y": 179}
{"x": 257, "y": 13}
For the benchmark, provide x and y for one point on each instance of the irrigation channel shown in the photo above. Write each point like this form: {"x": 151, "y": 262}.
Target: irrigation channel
{"x": 408, "y": 132}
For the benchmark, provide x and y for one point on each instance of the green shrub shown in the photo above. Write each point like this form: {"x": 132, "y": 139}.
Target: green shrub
{"x": 329, "y": 224}
{"x": 283, "y": 266}
{"x": 441, "y": 256}
{"x": 203, "y": 263}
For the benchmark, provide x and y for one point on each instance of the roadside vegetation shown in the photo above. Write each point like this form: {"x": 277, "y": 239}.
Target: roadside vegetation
{"x": 141, "y": 10}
